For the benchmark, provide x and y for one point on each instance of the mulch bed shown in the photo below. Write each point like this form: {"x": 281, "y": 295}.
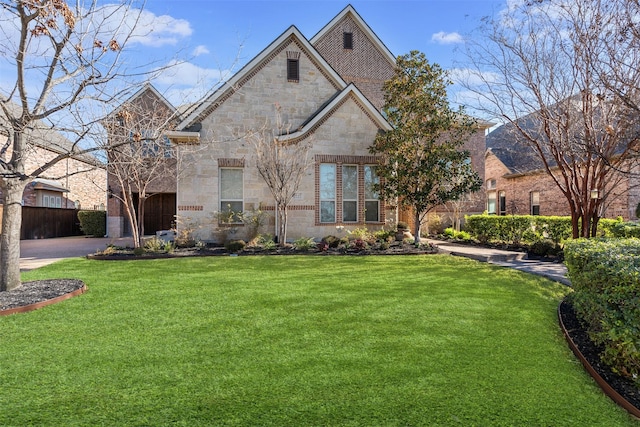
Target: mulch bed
{"x": 625, "y": 387}
{"x": 37, "y": 291}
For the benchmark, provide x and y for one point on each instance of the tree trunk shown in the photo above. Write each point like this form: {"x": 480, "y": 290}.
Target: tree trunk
{"x": 141, "y": 202}
{"x": 417, "y": 226}
{"x": 10, "y": 237}
{"x": 282, "y": 212}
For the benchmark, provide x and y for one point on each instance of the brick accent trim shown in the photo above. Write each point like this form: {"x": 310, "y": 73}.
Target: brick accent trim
{"x": 339, "y": 160}
{"x": 231, "y": 163}
{"x": 290, "y": 208}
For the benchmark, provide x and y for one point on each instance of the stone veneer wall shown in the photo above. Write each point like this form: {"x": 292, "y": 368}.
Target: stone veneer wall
{"x": 345, "y": 136}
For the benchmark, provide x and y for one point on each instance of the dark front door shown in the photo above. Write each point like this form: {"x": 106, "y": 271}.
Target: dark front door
{"x": 159, "y": 212}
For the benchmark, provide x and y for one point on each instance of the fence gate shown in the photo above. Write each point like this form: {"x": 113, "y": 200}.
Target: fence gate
{"x": 45, "y": 223}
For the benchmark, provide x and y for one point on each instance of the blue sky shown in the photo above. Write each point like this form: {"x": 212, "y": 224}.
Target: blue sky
{"x": 218, "y": 37}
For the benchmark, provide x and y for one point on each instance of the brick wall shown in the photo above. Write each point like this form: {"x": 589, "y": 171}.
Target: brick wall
{"x": 364, "y": 65}
{"x": 552, "y": 202}
{"x": 86, "y": 183}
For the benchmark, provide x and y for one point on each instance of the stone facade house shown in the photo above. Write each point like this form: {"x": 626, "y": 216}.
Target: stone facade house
{"x": 516, "y": 183}
{"x": 328, "y": 91}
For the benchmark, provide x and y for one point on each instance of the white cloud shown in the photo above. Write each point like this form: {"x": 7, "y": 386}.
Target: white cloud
{"x": 447, "y": 38}
{"x": 472, "y": 78}
{"x": 200, "y": 50}
{"x": 184, "y": 82}
{"x": 158, "y": 31}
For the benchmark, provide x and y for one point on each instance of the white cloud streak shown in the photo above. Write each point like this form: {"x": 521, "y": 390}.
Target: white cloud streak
{"x": 447, "y": 38}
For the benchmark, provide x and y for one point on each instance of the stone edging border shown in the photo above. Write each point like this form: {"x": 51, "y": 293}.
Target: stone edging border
{"x": 37, "y": 305}
{"x": 604, "y": 385}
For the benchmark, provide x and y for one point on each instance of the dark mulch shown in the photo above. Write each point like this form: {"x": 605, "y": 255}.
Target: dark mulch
{"x": 37, "y": 291}
{"x": 625, "y": 387}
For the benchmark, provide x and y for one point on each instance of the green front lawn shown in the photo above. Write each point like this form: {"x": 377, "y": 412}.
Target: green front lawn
{"x": 296, "y": 340}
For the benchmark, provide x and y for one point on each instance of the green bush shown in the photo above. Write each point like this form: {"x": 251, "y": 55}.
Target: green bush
{"x": 523, "y": 229}
{"x": 625, "y": 229}
{"x": 235, "y": 245}
{"x": 154, "y": 245}
{"x": 544, "y": 247}
{"x": 332, "y": 241}
{"x": 605, "y": 274}
{"x": 304, "y": 244}
{"x": 93, "y": 223}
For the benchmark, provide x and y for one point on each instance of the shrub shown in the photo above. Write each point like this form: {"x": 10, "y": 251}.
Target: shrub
{"x": 544, "y": 247}
{"x": 332, "y": 241}
{"x": 384, "y": 236}
{"x": 435, "y": 224}
{"x": 359, "y": 245}
{"x": 625, "y": 229}
{"x": 138, "y": 251}
{"x": 322, "y": 246}
{"x": 93, "y": 223}
{"x": 402, "y": 225}
{"x": 154, "y": 245}
{"x": 304, "y": 244}
{"x": 235, "y": 245}
{"x": 605, "y": 274}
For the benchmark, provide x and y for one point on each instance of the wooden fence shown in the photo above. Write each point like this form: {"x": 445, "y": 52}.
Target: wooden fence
{"x": 44, "y": 223}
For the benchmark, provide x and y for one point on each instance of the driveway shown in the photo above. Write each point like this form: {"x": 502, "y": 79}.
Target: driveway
{"x": 40, "y": 252}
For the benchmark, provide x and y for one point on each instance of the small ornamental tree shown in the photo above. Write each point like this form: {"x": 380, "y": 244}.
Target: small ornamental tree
{"x": 423, "y": 163}
{"x": 281, "y": 163}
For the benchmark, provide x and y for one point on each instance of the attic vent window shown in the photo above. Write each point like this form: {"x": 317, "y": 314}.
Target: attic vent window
{"x": 347, "y": 40}
{"x": 293, "y": 66}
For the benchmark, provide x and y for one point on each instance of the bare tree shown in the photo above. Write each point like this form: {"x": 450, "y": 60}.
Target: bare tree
{"x": 141, "y": 160}
{"x": 282, "y": 163}
{"x": 64, "y": 59}
{"x": 536, "y": 69}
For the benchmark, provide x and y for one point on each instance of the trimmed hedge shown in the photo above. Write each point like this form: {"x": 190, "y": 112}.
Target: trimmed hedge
{"x": 93, "y": 223}
{"x": 517, "y": 229}
{"x": 605, "y": 274}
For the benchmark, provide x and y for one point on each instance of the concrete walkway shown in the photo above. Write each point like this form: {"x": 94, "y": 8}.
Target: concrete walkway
{"x": 38, "y": 253}
{"x": 517, "y": 260}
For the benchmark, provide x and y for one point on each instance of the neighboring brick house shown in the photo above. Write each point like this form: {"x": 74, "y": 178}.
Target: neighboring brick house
{"x": 146, "y": 108}
{"x": 329, "y": 90}
{"x": 516, "y": 182}
{"x": 75, "y": 182}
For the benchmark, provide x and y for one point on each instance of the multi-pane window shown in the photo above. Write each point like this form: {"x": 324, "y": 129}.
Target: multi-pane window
{"x": 350, "y": 193}
{"x": 327, "y": 192}
{"x": 231, "y": 195}
{"x": 347, "y": 40}
{"x": 371, "y": 200}
{"x": 535, "y": 203}
{"x": 356, "y": 183}
{"x": 293, "y": 70}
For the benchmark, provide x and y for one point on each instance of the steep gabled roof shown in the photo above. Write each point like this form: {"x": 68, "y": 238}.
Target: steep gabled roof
{"x": 146, "y": 87}
{"x": 212, "y": 101}
{"x": 349, "y": 10}
{"x": 330, "y": 107}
